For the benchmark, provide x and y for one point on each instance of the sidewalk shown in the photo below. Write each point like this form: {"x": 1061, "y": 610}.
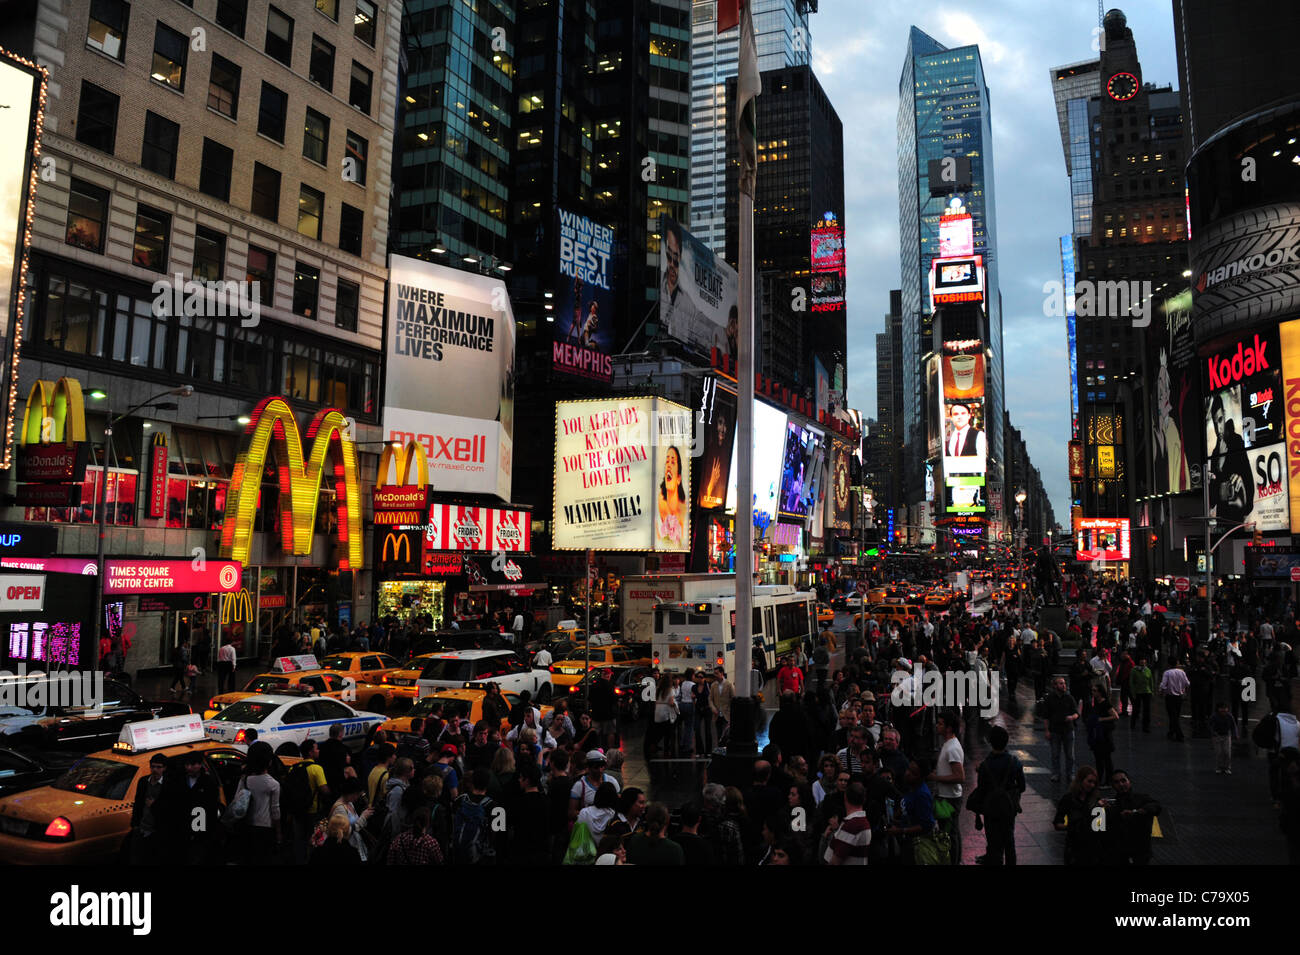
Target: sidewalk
{"x": 1206, "y": 819}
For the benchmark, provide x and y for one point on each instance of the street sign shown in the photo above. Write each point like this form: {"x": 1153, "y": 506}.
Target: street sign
{"x": 1295, "y": 574}
{"x": 1182, "y": 584}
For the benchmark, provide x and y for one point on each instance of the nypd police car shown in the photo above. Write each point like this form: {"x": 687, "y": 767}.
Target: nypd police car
{"x": 279, "y": 718}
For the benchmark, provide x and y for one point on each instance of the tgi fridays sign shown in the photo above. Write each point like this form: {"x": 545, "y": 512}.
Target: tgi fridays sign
{"x": 454, "y": 527}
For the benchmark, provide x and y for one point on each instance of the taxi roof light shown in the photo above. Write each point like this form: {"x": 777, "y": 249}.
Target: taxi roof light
{"x": 145, "y": 735}
{"x": 292, "y": 664}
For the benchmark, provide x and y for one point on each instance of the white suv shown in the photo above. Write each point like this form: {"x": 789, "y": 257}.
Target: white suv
{"x": 455, "y": 668}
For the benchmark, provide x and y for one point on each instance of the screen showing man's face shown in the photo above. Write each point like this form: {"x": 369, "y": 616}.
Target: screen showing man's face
{"x": 960, "y": 416}
{"x": 674, "y": 254}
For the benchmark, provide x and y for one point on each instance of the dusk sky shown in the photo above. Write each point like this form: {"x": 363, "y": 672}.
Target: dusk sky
{"x": 858, "y": 50}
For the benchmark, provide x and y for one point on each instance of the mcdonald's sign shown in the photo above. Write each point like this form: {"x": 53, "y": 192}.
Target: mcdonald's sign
{"x": 158, "y": 476}
{"x": 398, "y": 551}
{"x": 53, "y": 438}
{"x": 299, "y": 479}
{"x": 236, "y": 607}
{"x": 403, "y": 496}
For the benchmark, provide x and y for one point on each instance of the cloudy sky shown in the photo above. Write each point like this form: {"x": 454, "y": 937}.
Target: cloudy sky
{"x": 858, "y": 49}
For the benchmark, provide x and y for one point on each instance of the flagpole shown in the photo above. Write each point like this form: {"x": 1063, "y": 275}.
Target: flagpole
{"x": 744, "y": 706}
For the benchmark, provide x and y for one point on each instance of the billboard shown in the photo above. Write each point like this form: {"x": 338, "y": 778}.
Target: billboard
{"x": 956, "y": 280}
{"x": 827, "y": 291}
{"x": 827, "y": 246}
{"x": 622, "y": 481}
{"x": 492, "y": 529}
{"x": 839, "y": 516}
{"x": 794, "y": 471}
{"x": 22, "y": 92}
{"x": 698, "y": 292}
{"x": 1289, "y": 337}
{"x": 584, "y": 327}
{"x": 1176, "y": 445}
{"x": 1246, "y": 463}
{"x": 956, "y": 235}
{"x": 1102, "y": 538}
{"x": 768, "y": 455}
{"x": 961, "y": 409}
{"x": 449, "y": 377}
{"x": 718, "y": 425}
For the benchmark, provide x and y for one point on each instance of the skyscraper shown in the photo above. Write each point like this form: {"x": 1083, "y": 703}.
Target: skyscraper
{"x": 943, "y": 112}
{"x": 782, "y": 38}
{"x": 799, "y": 190}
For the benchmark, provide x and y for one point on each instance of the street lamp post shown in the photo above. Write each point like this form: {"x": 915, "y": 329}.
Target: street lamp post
{"x": 183, "y": 392}
{"x": 1020, "y": 543}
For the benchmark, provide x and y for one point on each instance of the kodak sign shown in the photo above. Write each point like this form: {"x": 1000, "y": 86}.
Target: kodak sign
{"x": 1232, "y": 369}
{"x": 1290, "y": 339}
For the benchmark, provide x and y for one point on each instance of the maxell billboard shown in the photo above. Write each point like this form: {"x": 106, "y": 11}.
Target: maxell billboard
{"x": 449, "y": 380}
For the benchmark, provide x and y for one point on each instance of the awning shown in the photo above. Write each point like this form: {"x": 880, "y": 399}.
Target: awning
{"x": 518, "y": 573}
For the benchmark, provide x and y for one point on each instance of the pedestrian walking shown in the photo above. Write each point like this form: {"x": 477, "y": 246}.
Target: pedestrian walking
{"x": 1141, "y": 681}
{"x": 1223, "y": 731}
{"x": 1000, "y": 781}
{"x": 1060, "y": 713}
{"x": 1173, "y": 687}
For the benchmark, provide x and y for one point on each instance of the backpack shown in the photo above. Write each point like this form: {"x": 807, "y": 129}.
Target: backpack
{"x": 1001, "y": 802}
{"x": 295, "y": 792}
{"x": 471, "y": 832}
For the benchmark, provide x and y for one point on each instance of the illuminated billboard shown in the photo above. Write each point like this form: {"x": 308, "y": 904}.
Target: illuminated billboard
{"x": 768, "y": 456}
{"x": 1247, "y": 458}
{"x": 956, "y": 280}
{"x": 961, "y": 409}
{"x": 1102, "y": 538}
{"x": 449, "y": 382}
{"x": 827, "y": 246}
{"x": 718, "y": 423}
{"x": 622, "y": 475}
{"x": 794, "y": 471}
{"x": 956, "y": 235}
{"x": 827, "y": 291}
{"x": 583, "y": 330}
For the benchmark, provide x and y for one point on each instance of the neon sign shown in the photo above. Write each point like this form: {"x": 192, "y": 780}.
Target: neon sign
{"x": 299, "y": 481}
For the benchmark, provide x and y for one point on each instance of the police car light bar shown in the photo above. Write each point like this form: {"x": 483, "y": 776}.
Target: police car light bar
{"x": 154, "y": 734}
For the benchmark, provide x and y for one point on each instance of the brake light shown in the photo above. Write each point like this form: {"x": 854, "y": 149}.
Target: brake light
{"x": 60, "y": 828}
{"x": 241, "y": 736}
{"x": 574, "y": 688}
{"x": 212, "y": 704}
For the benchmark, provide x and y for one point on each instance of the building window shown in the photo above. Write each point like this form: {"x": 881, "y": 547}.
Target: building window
{"x": 359, "y": 92}
{"x": 350, "y": 225}
{"x": 87, "y": 214}
{"x": 106, "y": 31}
{"x": 209, "y": 254}
{"x": 214, "y": 174}
{"x": 159, "y": 151}
{"x": 97, "y": 118}
{"x": 261, "y": 269}
{"x": 151, "y": 228}
{"x": 347, "y": 305}
{"x": 306, "y": 289}
{"x": 363, "y": 24}
{"x": 231, "y": 15}
{"x": 223, "y": 87}
{"x": 311, "y": 209}
{"x": 330, "y": 8}
{"x": 272, "y": 112}
{"x": 321, "y": 68}
{"x": 355, "y": 161}
{"x": 266, "y": 192}
{"x": 279, "y": 36}
{"x": 316, "y": 133}
{"x": 169, "y": 51}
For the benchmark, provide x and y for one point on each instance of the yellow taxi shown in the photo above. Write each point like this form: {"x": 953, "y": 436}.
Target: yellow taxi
{"x": 397, "y": 685}
{"x": 466, "y": 702}
{"x": 85, "y": 814}
{"x": 298, "y": 674}
{"x": 939, "y": 598}
{"x": 885, "y": 614}
{"x": 361, "y": 665}
{"x": 569, "y": 668}
{"x": 565, "y": 633}
{"x": 825, "y": 614}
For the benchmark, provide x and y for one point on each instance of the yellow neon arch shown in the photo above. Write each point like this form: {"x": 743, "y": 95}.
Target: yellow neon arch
{"x": 413, "y": 452}
{"x": 59, "y": 401}
{"x": 299, "y": 482}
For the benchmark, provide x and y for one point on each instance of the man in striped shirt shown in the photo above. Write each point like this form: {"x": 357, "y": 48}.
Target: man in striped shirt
{"x": 848, "y": 846}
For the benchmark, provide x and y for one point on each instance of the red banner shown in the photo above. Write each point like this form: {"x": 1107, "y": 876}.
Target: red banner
{"x": 53, "y": 462}
{"x": 171, "y": 577}
{"x": 395, "y": 518}
{"x": 158, "y": 480}
{"x": 457, "y": 527}
{"x": 442, "y": 565}
{"x": 49, "y": 495}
